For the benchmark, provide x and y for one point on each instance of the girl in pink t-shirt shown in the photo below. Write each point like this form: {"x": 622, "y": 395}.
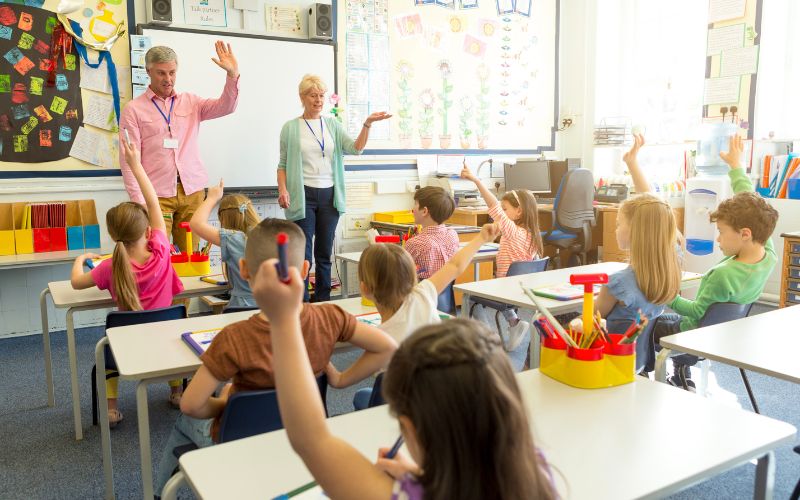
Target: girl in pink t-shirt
{"x": 139, "y": 274}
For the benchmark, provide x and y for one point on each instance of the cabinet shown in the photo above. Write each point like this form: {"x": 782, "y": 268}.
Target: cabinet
{"x": 790, "y": 274}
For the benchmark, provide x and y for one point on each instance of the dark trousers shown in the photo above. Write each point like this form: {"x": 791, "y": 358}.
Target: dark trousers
{"x": 670, "y": 324}
{"x": 319, "y": 226}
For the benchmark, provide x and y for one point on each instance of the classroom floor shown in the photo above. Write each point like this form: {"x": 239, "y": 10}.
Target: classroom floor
{"x": 40, "y": 458}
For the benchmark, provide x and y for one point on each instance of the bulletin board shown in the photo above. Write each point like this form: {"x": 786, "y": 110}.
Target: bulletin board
{"x": 465, "y": 76}
{"x": 58, "y": 114}
{"x": 732, "y": 54}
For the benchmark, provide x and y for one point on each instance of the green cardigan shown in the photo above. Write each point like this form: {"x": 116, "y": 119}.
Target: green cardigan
{"x": 292, "y": 162}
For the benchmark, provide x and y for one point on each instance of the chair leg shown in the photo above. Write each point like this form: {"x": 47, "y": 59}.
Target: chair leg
{"x": 705, "y": 367}
{"x": 497, "y": 322}
{"x": 749, "y": 390}
{"x": 94, "y": 395}
{"x": 796, "y": 492}
{"x": 472, "y": 308}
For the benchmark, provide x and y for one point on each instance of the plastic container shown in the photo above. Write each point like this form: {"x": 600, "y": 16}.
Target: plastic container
{"x": 186, "y": 265}
{"x": 714, "y": 138}
{"x": 793, "y": 192}
{"x": 397, "y": 217}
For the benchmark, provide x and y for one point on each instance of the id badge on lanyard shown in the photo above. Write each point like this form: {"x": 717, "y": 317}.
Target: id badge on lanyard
{"x": 169, "y": 142}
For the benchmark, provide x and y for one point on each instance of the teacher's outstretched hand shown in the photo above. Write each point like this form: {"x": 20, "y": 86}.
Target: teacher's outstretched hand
{"x": 225, "y": 59}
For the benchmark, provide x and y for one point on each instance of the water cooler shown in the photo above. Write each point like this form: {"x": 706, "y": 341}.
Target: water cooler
{"x": 703, "y": 194}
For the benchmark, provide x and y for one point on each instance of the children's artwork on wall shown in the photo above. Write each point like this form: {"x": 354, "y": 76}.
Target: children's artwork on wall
{"x": 40, "y": 97}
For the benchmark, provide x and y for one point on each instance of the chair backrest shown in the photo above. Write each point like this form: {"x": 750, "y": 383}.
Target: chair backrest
{"x": 447, "y": 300}
{"x": 255, "y": 412}
{"x": 127, "y": 318}
{"x": 574, "y": 203}
{"x": 527, "y": 266}
{"x": 376, "y": 398}
{"x": 239, "y": 309}
{"x": 721, "y": 312}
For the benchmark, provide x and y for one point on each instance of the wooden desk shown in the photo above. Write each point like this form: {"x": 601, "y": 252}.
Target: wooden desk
{"x": 589, "y": 436}
{"x": 148, "y": 355}
{"x": 66, "y": 297}
{"x": 765, "y": 343}
{"x": 790, "y": 274}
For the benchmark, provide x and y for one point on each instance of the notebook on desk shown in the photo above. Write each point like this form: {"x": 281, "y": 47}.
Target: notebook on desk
{"x": 199, "y": 340}
{"x": 564, "y": 291}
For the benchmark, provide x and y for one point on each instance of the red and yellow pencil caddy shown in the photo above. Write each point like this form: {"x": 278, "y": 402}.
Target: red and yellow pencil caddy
{"x": 591, "y": 358}
{"x": 190, "y": 263}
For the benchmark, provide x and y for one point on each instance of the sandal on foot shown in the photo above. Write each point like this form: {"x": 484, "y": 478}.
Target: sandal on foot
{"x": 114, "y": 417}
{"x": 175, "y": 399}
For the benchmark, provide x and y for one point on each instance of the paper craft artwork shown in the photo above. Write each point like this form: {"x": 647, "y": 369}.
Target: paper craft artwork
{"x": 722, "y": 90}
{"x": 729, "y": 37}
{"x": 474, "y": 46}
{"x": 408, "y": 26}
{"x": 34, "y": 116}
{"x": 99, "y": 112}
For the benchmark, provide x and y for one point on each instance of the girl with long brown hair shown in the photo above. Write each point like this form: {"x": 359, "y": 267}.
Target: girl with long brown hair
{"x": 518, "y": 216}
{"x": 139, "y": 274}
{"x": 453, "y": 392}
{"x": 236, "y": 218}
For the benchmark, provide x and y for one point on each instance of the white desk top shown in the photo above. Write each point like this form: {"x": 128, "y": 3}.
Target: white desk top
{"x": 65, "y": 296}
{"x": 592, "y": 437}
{"x": 507, "y": 290}
{"x": 142, "y": 352}
{"x": 486, "y": 256}
{"x": 766, "y": 343}
{"x": 43, "y": 258}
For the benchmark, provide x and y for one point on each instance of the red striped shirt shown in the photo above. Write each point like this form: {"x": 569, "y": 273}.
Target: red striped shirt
{"x": 515, "y": 241}
{"x": 432, "y": 248}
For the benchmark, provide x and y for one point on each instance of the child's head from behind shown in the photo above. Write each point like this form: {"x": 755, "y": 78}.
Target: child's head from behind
{"x": 262, "y": 245}
{"x": 432, "y": 203}
{"x": 128, "y": 225}
{"x": 387, "y": 274}
{"x": 520, "y": 206}
{"x": 236, "y": 212}
{"x": 646, "y": 226}
{"x": 745, "y": 219}
{"x": 460, "y": 409}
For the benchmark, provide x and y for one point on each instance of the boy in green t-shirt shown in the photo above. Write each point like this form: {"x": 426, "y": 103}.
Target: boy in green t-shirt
{"x": 745, "y": 223}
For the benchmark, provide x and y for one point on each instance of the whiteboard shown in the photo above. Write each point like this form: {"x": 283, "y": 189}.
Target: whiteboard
{"x": 243, "y": 148}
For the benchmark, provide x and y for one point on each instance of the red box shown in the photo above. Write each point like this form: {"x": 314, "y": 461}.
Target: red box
{"x": 58, "y": 238}
{"x": 41, "y": 239}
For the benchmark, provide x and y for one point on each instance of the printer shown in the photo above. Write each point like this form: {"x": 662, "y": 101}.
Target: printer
{"x": 463, "y": 191}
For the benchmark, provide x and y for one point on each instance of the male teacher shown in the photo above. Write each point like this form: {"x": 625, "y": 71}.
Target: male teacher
{"x": 164, "y": 126}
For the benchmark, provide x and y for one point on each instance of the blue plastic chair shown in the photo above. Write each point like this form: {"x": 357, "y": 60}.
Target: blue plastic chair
{"x": 645, "y": 350}
{"x": 249, "y": 413}
{"x": 127, "y": 318}
{"x": 515, "y": 269}
{"x": 573, "y": 215}
{"x": 368, "y": 398}
{"x": 796, "y": 492}
{"x": 722, "y": 312}
{"x": 447, "y": 300}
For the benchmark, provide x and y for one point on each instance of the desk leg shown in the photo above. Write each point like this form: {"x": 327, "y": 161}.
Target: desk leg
{"x": 73, "y": 368}
{"x": 765, "y": 477}
{"x": 476, "y": 271}
{"x": 343, "y": 280}
{"x": 143, "y": 415}
{"x": 464, "y": 306}
{"x": 661, "y": 364}
{"x": 534, "y": 347}
{"x": 105, "y": 431}
{"x": 48, "y": 359}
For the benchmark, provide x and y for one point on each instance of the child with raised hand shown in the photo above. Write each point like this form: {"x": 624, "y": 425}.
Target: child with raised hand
{"x": 646, "y": 228}
{"x": 388, "y": 278}
{"x": 236, "y": 217}
{"x": 745, "y": 223}
{"x": 455, "y": 397}
{"x": 518, "y": 217}
{"x": 139, "y": 274}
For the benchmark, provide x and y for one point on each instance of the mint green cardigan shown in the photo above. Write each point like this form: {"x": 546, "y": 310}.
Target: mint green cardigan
{"x": 292, "y": 162}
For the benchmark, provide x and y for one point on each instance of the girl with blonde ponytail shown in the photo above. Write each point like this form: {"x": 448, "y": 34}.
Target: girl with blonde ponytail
{"x": 236, "y": 218}
{"x": 139, "y": 274}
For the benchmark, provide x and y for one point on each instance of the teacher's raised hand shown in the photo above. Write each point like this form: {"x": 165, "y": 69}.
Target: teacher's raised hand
{"x": 225, "y": 59}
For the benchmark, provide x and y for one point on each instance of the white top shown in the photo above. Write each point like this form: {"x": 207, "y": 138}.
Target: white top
{"x": 317, "y": 170}
{"x": 482, "y": 256}
{"x": 767, "y": 343}
{"x": 419, "y": 309}
{"x": 622, "y": 432}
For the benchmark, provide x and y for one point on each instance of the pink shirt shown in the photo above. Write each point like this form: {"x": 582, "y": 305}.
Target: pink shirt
{"x": 157, "y": 281}
{"x": 515, "y": 241}
{"x": 147, "y": 129}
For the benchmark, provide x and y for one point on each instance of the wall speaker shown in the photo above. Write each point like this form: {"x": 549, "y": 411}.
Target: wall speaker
{"x": 159, "y": 11}
{"x": 320, "y": 21}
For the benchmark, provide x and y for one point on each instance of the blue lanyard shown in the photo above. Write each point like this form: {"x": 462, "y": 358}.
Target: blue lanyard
{"x": 167, "y": 118}
{"x": 322, "y": 133}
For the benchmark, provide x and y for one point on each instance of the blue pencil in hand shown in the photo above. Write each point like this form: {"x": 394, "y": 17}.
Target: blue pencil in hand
{"x": 282, "y": 266}
{"x": 395, "y": 448}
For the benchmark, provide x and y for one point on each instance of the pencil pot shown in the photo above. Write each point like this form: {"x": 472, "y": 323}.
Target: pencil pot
{"x": 594, "y": 368}
{"x": 6, "y": 229}
{"x": 621, "y": 357}
{"x": 552, "y": 352}
{"x": 194, "y": 265}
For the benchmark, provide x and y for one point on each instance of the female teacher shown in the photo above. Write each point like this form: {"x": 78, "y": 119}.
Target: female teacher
{"x": 311, "y": 176}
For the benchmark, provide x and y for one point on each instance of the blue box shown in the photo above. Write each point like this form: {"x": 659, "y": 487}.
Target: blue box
{"x": 91, "y": 236}
{"x": 75, "y": 238}
{"x": 793, "y": 189}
